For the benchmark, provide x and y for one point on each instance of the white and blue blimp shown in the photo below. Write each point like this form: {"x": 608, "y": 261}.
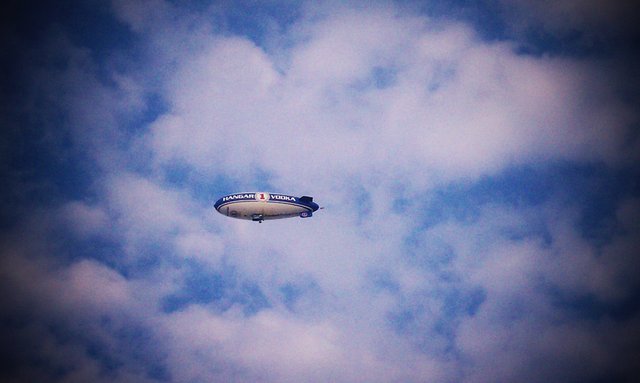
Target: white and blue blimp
{"x": 261, "y": 206}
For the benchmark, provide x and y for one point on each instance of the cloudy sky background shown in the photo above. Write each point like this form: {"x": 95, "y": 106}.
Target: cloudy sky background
{"x": 478, "y": 164}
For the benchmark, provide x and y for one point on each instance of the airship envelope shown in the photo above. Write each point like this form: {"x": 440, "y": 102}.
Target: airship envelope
{"x": 260, "y": 206}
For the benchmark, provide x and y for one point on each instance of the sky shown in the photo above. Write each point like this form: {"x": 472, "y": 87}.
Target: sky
{"x": 477, "y": 163}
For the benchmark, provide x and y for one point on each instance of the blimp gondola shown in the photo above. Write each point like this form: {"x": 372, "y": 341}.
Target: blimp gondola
{"x": 262, "y": 206}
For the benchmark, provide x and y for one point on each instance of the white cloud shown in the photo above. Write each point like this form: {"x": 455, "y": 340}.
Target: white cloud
{"x": 268, "y": 346}
{"x": 363, "y": 109}
{"x": 84, "y": 219}
{"x": 454, "y": 106}
{"x": 145, "y": 211}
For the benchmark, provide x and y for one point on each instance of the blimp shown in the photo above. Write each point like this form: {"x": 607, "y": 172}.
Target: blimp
{"x": 262, "y": 206}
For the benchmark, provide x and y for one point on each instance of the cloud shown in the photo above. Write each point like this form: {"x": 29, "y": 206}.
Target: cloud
{"x": 432, "y": 261}
{"x": 85, "y": 220}
{"x": 275, "y": 347}
{"x": 454, "y": 106}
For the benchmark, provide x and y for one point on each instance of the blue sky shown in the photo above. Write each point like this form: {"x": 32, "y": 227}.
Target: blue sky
{"x": 478, "y": 164}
